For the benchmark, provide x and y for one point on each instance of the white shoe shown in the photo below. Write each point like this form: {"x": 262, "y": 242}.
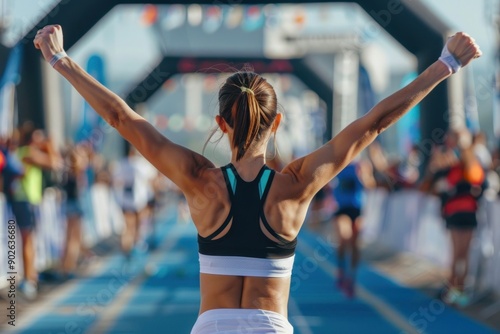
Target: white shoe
{"x": 463, "y": 299}
{"x": 451, "y": 296}
{"x": 29, "y": 290}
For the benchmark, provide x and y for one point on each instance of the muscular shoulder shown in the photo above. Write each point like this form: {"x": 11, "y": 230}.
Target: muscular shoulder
{"x": 286, "y": 186}
{"x": 293, "y": 183}
{"x": 211, "y": 178}
{"x": 208, "y": 185}
{"x": 198, "y": 175}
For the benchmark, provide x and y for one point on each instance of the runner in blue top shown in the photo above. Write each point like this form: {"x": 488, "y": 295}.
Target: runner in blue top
{"x": 348, "y": 191}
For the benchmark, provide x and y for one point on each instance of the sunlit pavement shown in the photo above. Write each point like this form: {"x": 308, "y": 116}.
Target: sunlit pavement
{"x": 157, "y": 292}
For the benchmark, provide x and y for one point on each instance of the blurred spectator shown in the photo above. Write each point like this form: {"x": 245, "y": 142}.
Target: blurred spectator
{"x": 457, "y": 177}
{"x": 382, "y": 171}
{"x": 492, "y": 190}
{"x": 159, "y": 185}
{"x": 480, "y": 148}
{"x": 485, "y": 158}
{"x": 12, "y": 167}
{"x": 95, "y": 162}
{"x": 406, "y": 172}
{"x": 101, "y": 169}
{"x": 148, "y": 215}
{"x": 395, "y": 174}
{"x": 3, "y": 159}
{"x": 317, "y": 208}
{"x": 496, "y": 168}
{"x": 132, "y": 184}
{"x": 183, "y": 215}
{"x": 95, "y": 169}
{"x": 496, "y": 159}
{"x": 23, "y": 189}
{"x": 44, "y": 144}
{"x": 348, "y": 188}
{"x": 73, "y": 182}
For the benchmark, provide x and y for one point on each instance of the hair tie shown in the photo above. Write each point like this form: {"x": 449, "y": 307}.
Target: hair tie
{"x": 246, "y": 89}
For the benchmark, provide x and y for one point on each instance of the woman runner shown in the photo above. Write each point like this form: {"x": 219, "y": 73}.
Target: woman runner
{"x": 247, "y": 215}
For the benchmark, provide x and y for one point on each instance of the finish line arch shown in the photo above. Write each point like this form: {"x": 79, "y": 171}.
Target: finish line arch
{"x": 401, "y": 19}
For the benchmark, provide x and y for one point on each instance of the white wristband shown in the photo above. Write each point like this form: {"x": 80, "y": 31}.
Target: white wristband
{"x": 449, "y": 60}
{"x": 57, "y": 57}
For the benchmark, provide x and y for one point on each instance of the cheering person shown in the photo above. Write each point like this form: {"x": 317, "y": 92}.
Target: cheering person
{"x": 247, "y": 215}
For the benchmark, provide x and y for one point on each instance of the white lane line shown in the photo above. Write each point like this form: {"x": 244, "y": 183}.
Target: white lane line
{"x": 301, "y": 322}
{"x": 109, "y": 316}
{"x": 36, "y": 310}
{"x": 384, "y": 309}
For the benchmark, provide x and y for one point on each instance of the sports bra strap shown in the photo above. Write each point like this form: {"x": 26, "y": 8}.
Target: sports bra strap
{"x": 230, "y": 179}
{"x": 246, "y": 223}
{"x": 269, "y": 229}
{"x": 265, "y": 184}
{"x": 221, "y": 228}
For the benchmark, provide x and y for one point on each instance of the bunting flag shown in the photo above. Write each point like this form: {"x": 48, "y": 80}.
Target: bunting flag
{"x": 11, "y": 77}
{"x": 234, "y": 16}
{"x": 174, "y": 17}
{"x": 149, "y": 15}
{"x": 253, "y": 18}
{"x": 273, "y": 16}
{"x": 213, "y": 19}
{"x": 194, "y": 15}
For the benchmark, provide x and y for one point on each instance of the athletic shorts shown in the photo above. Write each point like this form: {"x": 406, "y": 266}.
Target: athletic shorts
{"x": 240, "y": 321}
{"x": 349, "y": 211}
{"x": 129, "y": 209}
{"x": 461, "y": 221}
{"x": 151, "y": 202}
{"x": 24, "y": 214}
{"x": 73, "y": 208}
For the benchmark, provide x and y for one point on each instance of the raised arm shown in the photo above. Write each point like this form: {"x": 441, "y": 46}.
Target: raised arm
{"x": 178, "y": 163}
{"x": 316, "y": 169}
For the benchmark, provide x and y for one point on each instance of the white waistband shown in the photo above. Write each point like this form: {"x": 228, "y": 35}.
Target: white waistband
{"x": 246, "y": 266}
{"x": 238, "y": 321}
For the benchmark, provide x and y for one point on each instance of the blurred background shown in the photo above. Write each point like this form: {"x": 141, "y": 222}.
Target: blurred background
{"x": 330, "y": 63}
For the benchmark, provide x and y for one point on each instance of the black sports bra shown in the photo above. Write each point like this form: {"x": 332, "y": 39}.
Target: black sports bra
{"x": 245, "y": 237}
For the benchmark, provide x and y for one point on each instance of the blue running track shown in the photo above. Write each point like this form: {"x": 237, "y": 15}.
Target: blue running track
{"x": 158, "y": 293}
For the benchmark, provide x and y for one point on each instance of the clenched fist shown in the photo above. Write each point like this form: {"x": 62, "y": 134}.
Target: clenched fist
{"x": 49, "y": 40}
{"x": 463, "y": 48}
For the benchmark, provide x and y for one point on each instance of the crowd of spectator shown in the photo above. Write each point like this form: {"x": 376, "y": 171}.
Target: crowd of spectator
{"x": 460, "y": 171}
{"x": 30, "y": 164}
{"x": 415, "y": 170}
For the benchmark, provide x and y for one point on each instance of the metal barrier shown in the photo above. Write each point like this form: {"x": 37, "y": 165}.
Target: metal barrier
{"x": 409, "y": 221}
{"x": 491, "y": 245}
